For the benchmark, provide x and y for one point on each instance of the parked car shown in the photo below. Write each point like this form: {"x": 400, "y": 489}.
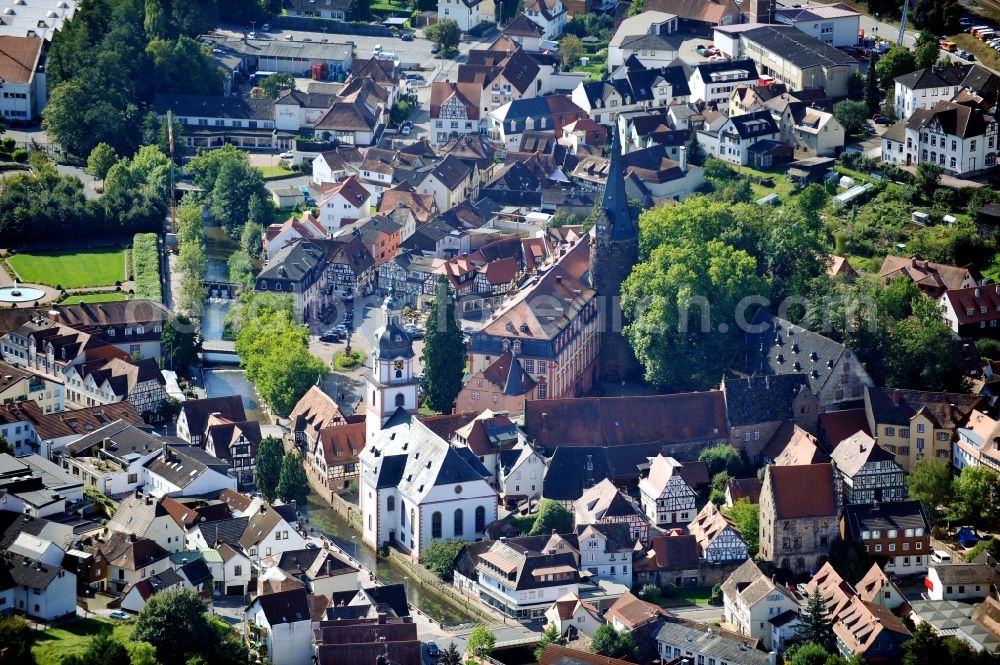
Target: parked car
{"x": 432, "y": 650}
{"x": 407, "y": 37}
{"x": 406, "y": 128}
{"x": 880, "y": 119}
{"x": 252, "y": 35}
{"x": 286, "y": 155}
{"x": 436, "y": 48}
{"x": 118, "y": 614}
{"x": 332, "y": 336}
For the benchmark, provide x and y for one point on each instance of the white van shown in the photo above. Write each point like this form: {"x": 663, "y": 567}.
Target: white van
{"x": 940, "y": 556}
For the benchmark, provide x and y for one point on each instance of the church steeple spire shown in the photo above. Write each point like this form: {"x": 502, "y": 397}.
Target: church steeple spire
{"x": 617, "y": 215}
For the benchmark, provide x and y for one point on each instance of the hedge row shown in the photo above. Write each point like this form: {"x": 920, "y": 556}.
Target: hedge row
{"x": 146, "y": 266}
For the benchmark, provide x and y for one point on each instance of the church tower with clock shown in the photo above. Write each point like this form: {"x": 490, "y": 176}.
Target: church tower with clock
{"x": 390, "y": 384}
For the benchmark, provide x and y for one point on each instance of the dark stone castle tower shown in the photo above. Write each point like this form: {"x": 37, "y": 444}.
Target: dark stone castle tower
{"x": 613, "y": 254}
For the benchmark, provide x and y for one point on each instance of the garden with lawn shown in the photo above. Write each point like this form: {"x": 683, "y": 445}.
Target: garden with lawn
{"x": 276, "y": 172}
{"x": 107, "y": 296}
{"x": 70, "y": 269}
{"x": 53, "y": 645}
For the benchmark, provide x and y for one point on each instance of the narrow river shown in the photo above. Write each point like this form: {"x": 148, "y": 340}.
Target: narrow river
{"x": 333, "y": 526}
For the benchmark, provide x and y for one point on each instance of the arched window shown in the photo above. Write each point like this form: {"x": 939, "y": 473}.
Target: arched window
{"x": 390, "y": 504}
{"x": 435, "y": 524}
{"x": 400, "y": 400}
{"x": 413, "y": 518}
{"x": 480, "y": 519}
{"x": 459, "y": 522}
{"x": 399, "y": 374}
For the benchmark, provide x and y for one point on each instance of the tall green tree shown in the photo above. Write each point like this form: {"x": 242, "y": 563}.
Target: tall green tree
{"x": 923, "y": 352}
{"x": 450, "y": 656}
{"x": 926, "y": 50}
{"x": 570, "y": 50}
{"x": 873, "y": 95}
{"x": 898, "y": 61}
{"x": 100, "y": 161}
{"x": 926, "y": 647}
{"x": 101, "y": 650}
{"x": 609, "y": 642}
{"x": 445, "y": 34}
{"x": 549, "y": 636}
{"x": 269, "y": 462}
{"x": 931, "y": 484}
{"x": 241, "y": 268}
{"x": 232, "y": 190}
{"x": 722, "y": 457}
{"x": 444, "y": 352}
{"x": 176, "y": 623}
{"x": 252, "y": 238}
{"x": 683, "y": 302}
{"x": 275, "y": 84}
{"x": 746, "y": 517}
{"x": 17, "y": 637}
{"x": 852, "y": 115}
{"x": 293, "y": 485}
{"x": 181, "y": 342}
{"x": 439, "y": 557}
{"x": 940, "y": 17}
{"x": 552, "y": 517}
{"x": 976, "y": 493}
{"x": 816, "y": 624}
{"x": 481, "y": 642}
{"x": 810, "y": 654}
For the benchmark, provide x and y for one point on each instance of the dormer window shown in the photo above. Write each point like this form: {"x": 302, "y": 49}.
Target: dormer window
{"x": 128, "y": 331}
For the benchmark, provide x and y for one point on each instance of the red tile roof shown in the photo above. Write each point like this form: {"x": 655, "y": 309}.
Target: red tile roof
{"x": 982, "y": 301}
{"x": 801, "y": 491}
{"x": 611, "y": 421}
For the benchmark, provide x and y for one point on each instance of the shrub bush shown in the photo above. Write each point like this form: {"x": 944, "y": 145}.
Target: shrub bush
{"x": 20, "y": 155}
{"x": 146, "y": 266}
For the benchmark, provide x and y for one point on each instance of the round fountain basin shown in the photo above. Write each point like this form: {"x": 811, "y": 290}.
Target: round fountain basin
{"x": 21, "y": 294}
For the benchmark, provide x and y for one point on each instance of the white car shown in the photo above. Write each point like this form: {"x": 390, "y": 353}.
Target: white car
{"x": 286, "y": 155}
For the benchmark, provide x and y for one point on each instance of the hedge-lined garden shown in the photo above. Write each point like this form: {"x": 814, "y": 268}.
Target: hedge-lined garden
{"x": 146, "y": 267}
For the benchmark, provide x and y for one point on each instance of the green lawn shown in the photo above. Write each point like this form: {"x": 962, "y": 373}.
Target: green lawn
{"x": 275, "y": 172}
{"x": 54, "y": 644}
{"x": 111, "y": 296}
{"x": 687, "y": 596}
{"x": 783, "y": 187}
{"x": 71, "y": 270}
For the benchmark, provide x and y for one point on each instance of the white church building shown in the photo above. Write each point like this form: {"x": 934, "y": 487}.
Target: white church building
{"x": 414, "y": 486}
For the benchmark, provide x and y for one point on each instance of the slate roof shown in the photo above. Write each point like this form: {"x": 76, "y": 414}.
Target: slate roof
{"x": 183, "y": 464}
{"x": 853, "y": 453}
{"x": 883, "y": 516}
{"x": 567, "y": 475}
{"x": 284, "y": 606}
{"x": 762, "y": 399}
{"x": 754, "y": 125}
{"x": 955, "y": 119}
{"x": 451, "y": 172}
{"x": 706, "y": 69}
{"x": 965, "y": 573}
{"x": 711, "y": 643}
{"x": 30, "y": 573}
{"x": 197, "y": 411}
{"x": 227, "y": 531}
{"x": 135, "y": 514}
{"x": 784, "y": 348}
{"x": 603, "y": 501}
{"x": 408, "y": 455}
{"x": 196, "y": 572}
{"x": 797, "y": 47}
{"x": 293, "y": 263}
{"x": 935, "y": 77}
{"x": 801, "y": 491}
{"x": 206, "y": 106}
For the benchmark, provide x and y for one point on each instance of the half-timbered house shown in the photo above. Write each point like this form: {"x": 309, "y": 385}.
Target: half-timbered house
{"x": 666, "y": 498}
{"x": 867, "y": 472}
{"x": 333, "y": 457}
{"x": 236, "y": 442}
{"x": 350, "y": 268}
{"x": 718, "y": 538}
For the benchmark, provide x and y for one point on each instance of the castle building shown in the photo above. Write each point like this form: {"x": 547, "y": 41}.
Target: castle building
{"x": 614, "y": 252}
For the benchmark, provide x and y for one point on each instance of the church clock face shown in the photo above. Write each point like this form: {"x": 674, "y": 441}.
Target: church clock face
{"x": 398, "y": 365}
